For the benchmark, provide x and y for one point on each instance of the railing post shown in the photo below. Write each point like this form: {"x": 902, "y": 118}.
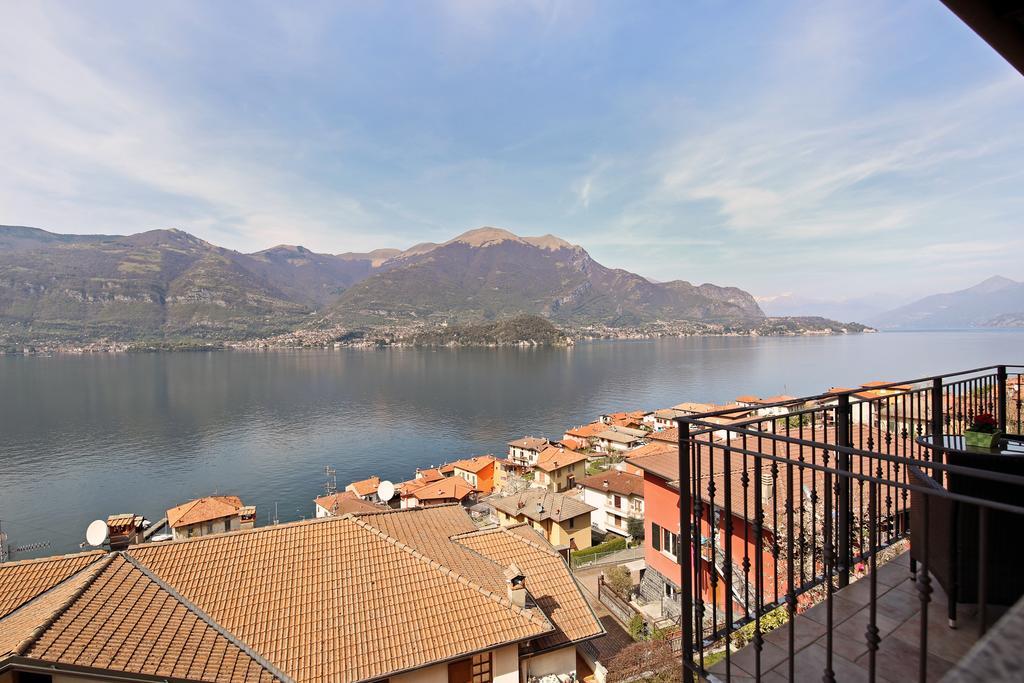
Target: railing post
{"x": 843, "y": 507}
{"x": 938, "y": 440}
{"x": 1001, "y": 397}
{"x": 685, "y": 545}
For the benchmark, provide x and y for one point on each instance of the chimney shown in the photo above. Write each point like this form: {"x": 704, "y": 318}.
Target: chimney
{"x": 540, "y": 507}
{"x": 516, "y": 584}
{"x": 606, "y": 483}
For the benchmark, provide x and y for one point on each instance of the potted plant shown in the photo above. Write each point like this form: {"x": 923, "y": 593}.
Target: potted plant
{"x": 983, "y": 432}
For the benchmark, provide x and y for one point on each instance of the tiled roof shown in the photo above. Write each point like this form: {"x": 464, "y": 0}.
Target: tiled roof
{"x": 619, "y": 436}
{"x": 203, "y": 510}
{"x": 533, "y": 443}
{"x": 552, "y": 458}
{"x": 319, "y": 599}
{"x": 547, "y": 580}
{"x": 345, "y": 502}
{"x": 22, "y": 581}
{"x": 449, "y": 488}
{"x": 308, "y": 601}
{"x": 365, "y": 487}
{"x": 540, "y": 504}
{"x": 622, "y": 483}
{"x": 587, "y": 431}
{"x": 125, "y": 620}
{"x": 431, "y": 474}
{"x": 474, "y": 464}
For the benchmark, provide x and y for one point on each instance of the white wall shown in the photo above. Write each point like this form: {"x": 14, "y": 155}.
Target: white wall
{"x": 561, "y": 661}
{"x": 504, "y": 663}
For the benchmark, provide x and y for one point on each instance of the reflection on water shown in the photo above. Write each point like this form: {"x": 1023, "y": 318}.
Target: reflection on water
{"x": 82, "y": 437}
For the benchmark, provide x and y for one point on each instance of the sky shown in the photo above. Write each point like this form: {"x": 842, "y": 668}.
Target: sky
{"x": 824, "y": 149}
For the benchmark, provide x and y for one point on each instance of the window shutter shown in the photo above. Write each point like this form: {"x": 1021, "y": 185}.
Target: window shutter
{"x": 656, "y": 536}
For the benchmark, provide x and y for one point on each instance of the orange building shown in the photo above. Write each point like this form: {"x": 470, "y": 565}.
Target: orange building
{"x": 478, "y": 471}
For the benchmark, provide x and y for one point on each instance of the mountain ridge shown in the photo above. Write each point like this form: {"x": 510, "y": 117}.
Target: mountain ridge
{"x": 995, "y": 302}
{"x": 167, "y": 284}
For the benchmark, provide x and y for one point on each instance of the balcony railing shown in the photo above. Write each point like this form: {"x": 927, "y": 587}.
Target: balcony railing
{"x": 800, "y": 503}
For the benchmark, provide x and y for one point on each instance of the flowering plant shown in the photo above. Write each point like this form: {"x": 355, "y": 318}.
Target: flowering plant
{"x": 985, "y": 423}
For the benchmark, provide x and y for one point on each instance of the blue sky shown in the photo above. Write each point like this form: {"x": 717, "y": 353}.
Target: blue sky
{"x": 826, "y": 149}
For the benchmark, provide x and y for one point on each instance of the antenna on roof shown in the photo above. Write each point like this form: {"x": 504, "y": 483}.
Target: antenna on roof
{"x": 331, "y": 485}
{"x": 97, "y": 533}
{"x": 385, "y": 491}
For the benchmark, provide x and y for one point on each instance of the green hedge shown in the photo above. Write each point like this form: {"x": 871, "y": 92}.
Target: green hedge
{"x": 617, "y": 543}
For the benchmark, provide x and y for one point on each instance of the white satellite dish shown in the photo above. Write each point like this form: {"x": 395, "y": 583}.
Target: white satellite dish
{"x": 386, "y": 491}
{"x": 97, "y": 533}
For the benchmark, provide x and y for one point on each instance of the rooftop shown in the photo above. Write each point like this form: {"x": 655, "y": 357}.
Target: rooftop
{"x": 541, "y": 504}
{"x": 365, "y": 487}
{"x": 623, "y": 483}
{"x": 533, "y": 443}
{"x": 474, "y": 464}
{"x": 203, "y": 510}
{"x": 319, "y": 610}
{"x": 344, "y": 502}
{"x": 553, "y": 458}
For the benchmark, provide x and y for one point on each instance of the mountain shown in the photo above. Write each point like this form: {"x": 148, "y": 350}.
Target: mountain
{"x": 489, "y": 273}
{"x": 995, "y": 302}
{"x": 856, "y": 308}
{"x": 152, "y": 285}
{"x": 166, "y": 285}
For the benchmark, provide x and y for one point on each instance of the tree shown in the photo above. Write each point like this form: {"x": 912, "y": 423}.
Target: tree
{"x": 619, "y": 580}
{"x": 635, "y": 528}
{"x": 651, "y": 660}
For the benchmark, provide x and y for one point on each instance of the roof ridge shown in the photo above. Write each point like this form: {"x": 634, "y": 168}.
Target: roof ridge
{"x": 97, "y": 567}
{"x": 261, "y": 529}
{"x": 207, "y": 619}
{"x": 51, "y": 558}
{"x": 506, "y": 530}
{"x": 448, "y": 571}
{"x": 391, "y": 511}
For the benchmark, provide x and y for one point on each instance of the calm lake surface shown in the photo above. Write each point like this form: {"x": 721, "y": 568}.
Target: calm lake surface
{"x": 82, "y": 437}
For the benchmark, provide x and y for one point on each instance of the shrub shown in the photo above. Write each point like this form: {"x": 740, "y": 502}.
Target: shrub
{"x": 619, "y": 580}
{"x": 635, "y": 528}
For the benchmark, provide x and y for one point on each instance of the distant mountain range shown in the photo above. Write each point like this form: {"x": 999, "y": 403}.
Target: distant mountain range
{"x": 998, "y": 302}
{"x": 857, "y": 308}
{"x": 168, "y": 284}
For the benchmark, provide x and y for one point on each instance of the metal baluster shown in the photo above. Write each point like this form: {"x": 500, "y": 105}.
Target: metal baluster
{"x": 685, "y": 544}
{"x": 924, "y": 589}
{"x": 872, "y": 630}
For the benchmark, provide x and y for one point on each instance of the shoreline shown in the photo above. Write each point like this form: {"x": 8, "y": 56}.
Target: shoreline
{"x": 108, "y": 347}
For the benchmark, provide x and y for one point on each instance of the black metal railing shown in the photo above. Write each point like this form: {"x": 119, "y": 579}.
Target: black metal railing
{"x": 802, "y": 496}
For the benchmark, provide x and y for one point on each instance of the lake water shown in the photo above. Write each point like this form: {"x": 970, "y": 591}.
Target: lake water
{"x": 82, "y": 437}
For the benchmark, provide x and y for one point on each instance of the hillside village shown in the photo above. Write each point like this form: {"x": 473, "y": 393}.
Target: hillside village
{"x": 590, "y": 516}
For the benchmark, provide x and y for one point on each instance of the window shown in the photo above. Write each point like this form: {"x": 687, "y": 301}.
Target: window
{"x": 669, "y": 543}
{"x": 670, "y": 592}
{"x": 209, "y": 527}
{"x": 482, "y": 668}
{"x": 618, "y": 501}
{"x": 572, "y": 522}
{"x": 656, "y": 536}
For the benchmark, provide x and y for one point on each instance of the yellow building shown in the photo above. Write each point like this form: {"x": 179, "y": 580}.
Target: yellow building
{"x": 562, "y": 520}
{"x": 559, "y": 469}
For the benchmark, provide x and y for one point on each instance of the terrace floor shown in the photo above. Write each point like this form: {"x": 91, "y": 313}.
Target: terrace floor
{"x": 898, "y": 619}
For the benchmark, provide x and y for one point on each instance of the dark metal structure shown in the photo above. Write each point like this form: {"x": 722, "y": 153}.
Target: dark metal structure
{"x": 792, "y": 502}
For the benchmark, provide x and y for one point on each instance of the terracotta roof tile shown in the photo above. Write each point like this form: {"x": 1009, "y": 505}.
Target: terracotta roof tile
{"x": 587, "y": 431}
{"x": 365, "y": 487}
{"x": 203, "y": 510}
{"x": 474, "y": 464}
{"x": 344, "y": 502}
{"x": 22, "y": 581}
{"x": 547, "y": 580}
{"x": 534, "y": 443}
{"x": 553, "y": 458}
{"x": 295, "y": 592}
{"x": 540, "y": 504}
{"x": 125, "y": 621}
{"x": 623, "y": 483}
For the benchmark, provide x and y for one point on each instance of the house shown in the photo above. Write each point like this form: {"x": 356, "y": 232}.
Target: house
{"x": 558, "y": 469}
{"x": 585, "y": 434}
{"x": 617, "y": 496}
{"x": 125, "y": 529}
{"x": 665, "y": 418}
{"x": 563, "y": 521}
{"x": 418, "y": 493}
{"x": 337, "y": 504}
{"x": 633, "y": 419}
{"x": 209, "y": 515}
{"x": 525, "y": 451}
{"x": 765, "y": 407}
{"x": 509, "y": 474}
{"x": 414, "y": 596}
{"x": 366, "y": 489}
{"x": 478, "y": 471}
{"x": 619, "y": 439}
